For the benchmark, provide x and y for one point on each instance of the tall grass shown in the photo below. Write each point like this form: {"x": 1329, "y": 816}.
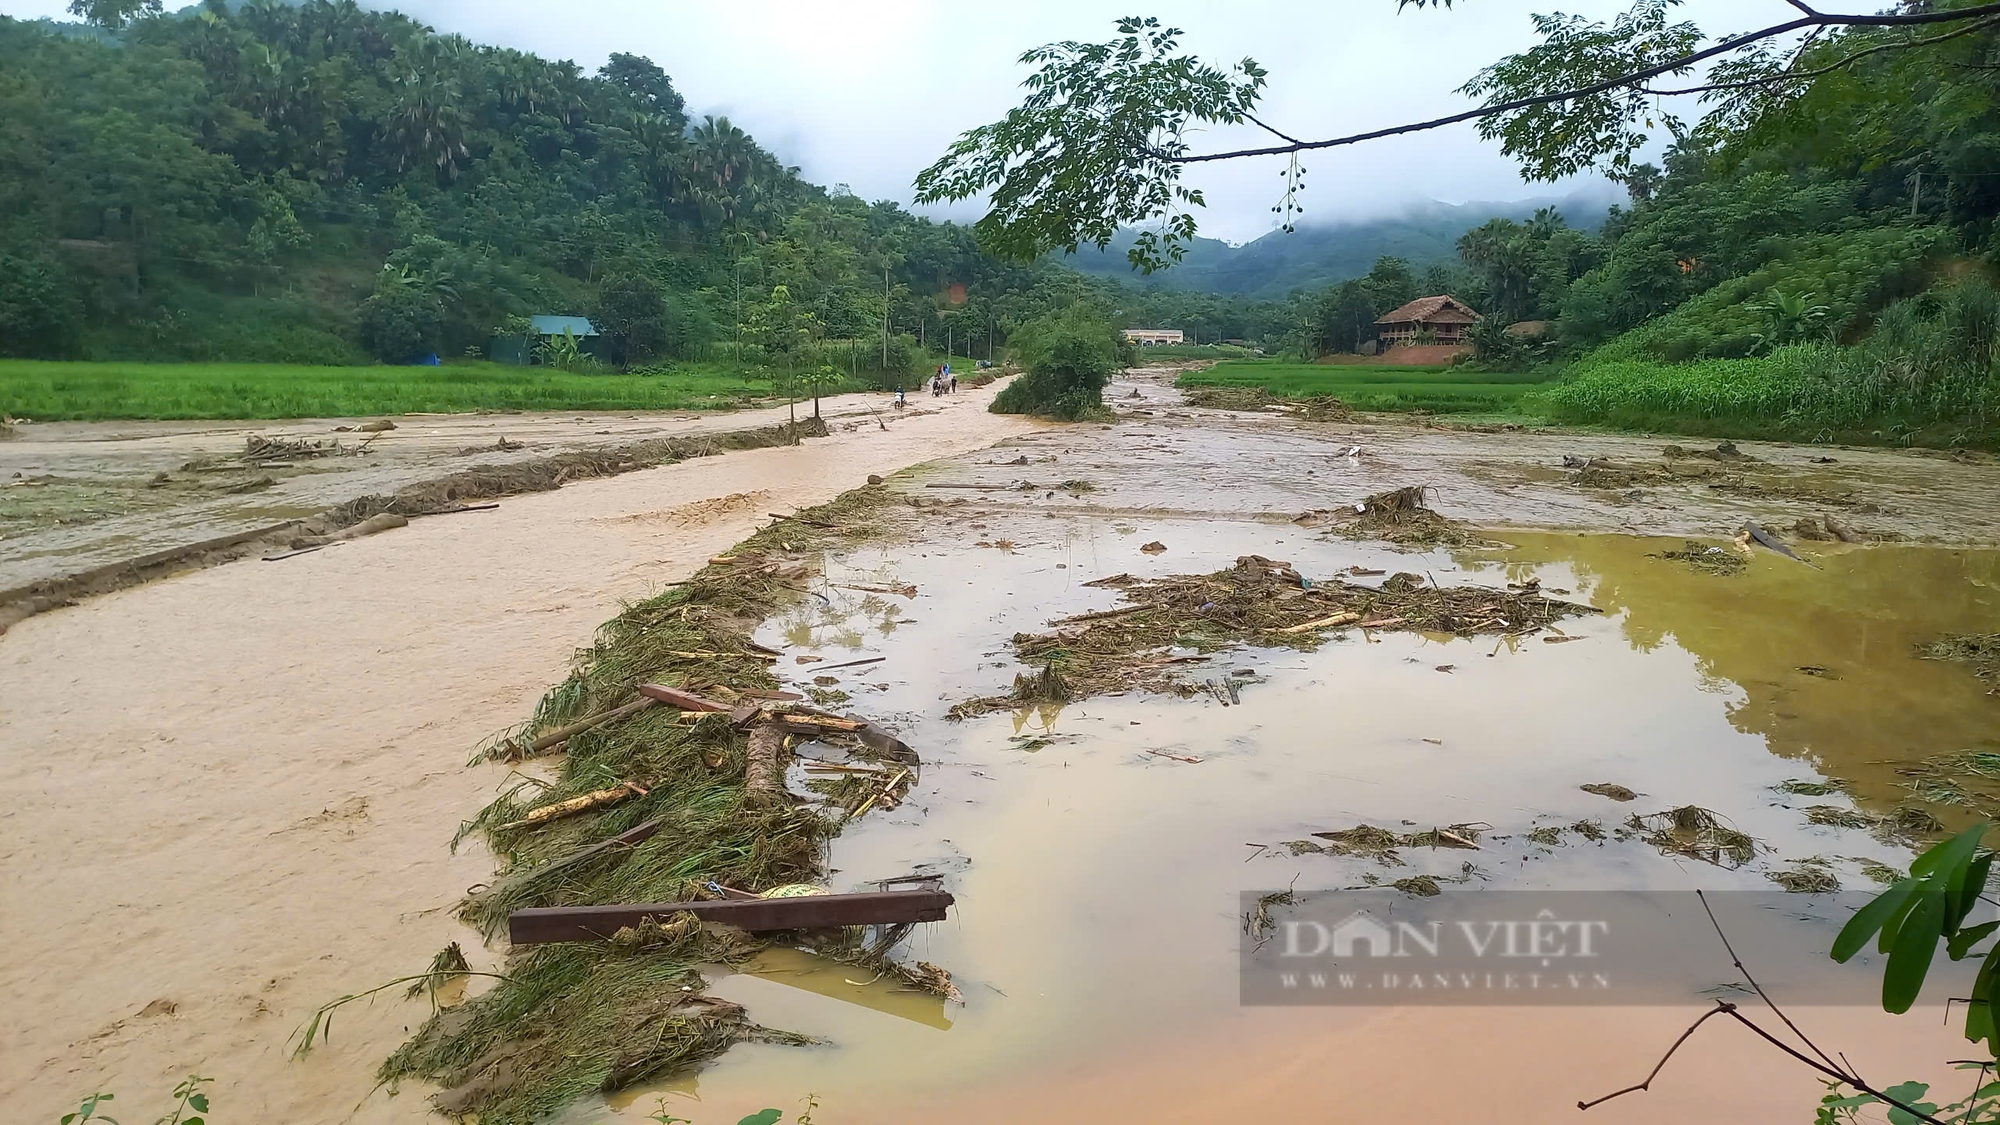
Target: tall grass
{"x": 1929, "y": 365}
{"x": 53, "y": 391}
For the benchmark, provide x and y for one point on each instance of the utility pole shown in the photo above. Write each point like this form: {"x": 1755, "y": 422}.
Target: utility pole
{"x": 947, "y": 340}
{"x": 1916, "y": 192}
{"x": 885, "y": 318}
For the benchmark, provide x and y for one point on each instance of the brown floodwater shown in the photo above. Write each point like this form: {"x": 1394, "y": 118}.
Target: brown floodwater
{"x": 1096, "y": 933}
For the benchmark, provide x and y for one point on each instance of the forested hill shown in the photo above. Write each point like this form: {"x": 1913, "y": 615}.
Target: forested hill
{"x": 325, "y": 183}
{"x": 1318, "y": 255}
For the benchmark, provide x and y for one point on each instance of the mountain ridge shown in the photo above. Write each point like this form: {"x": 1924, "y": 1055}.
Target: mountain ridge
{"x": 1312, "y": 257}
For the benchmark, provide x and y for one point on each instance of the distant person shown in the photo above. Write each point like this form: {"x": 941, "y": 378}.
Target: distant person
{"x": 899, "y": 396}
{"x": 954, "y": 384}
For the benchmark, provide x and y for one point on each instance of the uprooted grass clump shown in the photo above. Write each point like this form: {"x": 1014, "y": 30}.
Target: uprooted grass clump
{"x": 1978, "y": 651}
{"x": 1257, "y": 601}
{"x": 1708, "y": 559}
{"x": 570, "y": 1019}
{"x": 1696, "y": 833}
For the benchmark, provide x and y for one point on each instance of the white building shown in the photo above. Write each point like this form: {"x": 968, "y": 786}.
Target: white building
{"x": 1154, "y": 337}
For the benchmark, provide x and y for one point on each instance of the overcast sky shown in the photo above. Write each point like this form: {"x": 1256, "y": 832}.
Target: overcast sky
{"x": 867, "y": 92}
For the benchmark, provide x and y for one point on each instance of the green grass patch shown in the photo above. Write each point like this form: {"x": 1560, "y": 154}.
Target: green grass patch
{"x": 1442, "y": 390}
{"x": 62, "y": 391}
{"x": 1795, "y": 394}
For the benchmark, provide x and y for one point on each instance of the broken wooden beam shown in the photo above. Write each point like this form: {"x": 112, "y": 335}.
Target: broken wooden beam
{"x": 686, "y": 701}
{"x": 563, "y": 734}
{"x": 582, "y": 803}
{"x": 807, "y": 912}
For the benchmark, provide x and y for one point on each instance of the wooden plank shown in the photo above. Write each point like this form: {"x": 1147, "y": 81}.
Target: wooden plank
{"x": 811, "y": 912}
{"x": 686, "y": 701}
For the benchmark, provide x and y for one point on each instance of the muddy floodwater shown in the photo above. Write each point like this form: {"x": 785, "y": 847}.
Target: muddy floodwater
{"x": 288, "y": 750}
{"x": 1098, "y": 919}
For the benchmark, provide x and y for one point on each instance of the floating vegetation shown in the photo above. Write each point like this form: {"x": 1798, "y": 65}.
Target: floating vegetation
{"x": 1801, "y": 788}
{"x": 1833, "y": 816}
{"x": 1172, "y": 623}
{"x": 1810, "y": 876}
{"x": 1696, "y": 833}
{"x": 1608, "y": 789}
{"x": 1968, "y": 778}
{"x": 1707, "y": 558}
{"x": 1978, "y": 651}
{"x": 1381, "y": 845}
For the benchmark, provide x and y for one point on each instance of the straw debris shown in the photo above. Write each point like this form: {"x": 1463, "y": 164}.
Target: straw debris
{"x": 1707, "y": 559}
{"x": 1809, "y": 876}
{"x": 1382, "y": 845}
{"x": 1978, "y": 651}
{"x": 1170, "y": 624}
{"x": 1402, "y": 516}
{"x": 573, "y": 1019}
{"x": 1696, "y": 833}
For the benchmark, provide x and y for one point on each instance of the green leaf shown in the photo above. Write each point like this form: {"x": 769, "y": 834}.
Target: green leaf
{"x": 1962, "y": 942}
{"x": 1962, "y": 886}
{"x": 199, "y": 1102}
{"x": 1950, "y": 853}
{"x": 1916, "y": 943}
{"x": 1908, "y": 1093}
{"x": 1869, "y": 919}
{"x": 762, "y": 1117}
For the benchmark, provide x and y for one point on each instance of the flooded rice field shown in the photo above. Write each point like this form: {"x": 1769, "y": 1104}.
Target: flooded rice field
{"x": 1099, "y": 847}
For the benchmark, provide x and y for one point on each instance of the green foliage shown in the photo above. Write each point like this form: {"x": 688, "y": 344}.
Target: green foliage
{"x": 1069, "y": 358}
{"x": 403, "y": 319}
{"x": 40, "y": 316}
{"x": 1093, "y": 146}
{"x": 228, "y": 183}
{"x": 630, "y": 311}
{"x": 1855, "y": 272}
{"x": 190, "y": 1106}
{"x": 1789, "y": 318}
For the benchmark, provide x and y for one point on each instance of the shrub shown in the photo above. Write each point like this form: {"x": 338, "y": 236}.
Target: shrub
{"x": 40, "y": 317}
{"x": 400, "y": 322}
{"x": 1070, "y": 356}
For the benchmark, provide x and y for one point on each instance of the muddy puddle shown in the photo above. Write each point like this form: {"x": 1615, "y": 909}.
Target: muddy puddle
{"x": 1096, "y": 934}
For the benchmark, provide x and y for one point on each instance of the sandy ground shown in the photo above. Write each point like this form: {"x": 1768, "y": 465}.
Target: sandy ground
{"x": 226, "y": 797}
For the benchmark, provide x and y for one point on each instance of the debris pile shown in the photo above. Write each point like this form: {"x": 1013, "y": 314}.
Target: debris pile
{"x": 1723, "y": 451}
{"x": 672, "y": 738}
{"x": 258, "y": 449}
{"x": 1401, "y": 516}
{"x": 1172, "y": 623}
{"x": 1232, "y": 398}
{"x": 1707, "y": 558}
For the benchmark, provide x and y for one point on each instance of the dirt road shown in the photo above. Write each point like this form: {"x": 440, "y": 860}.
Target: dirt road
{"x": 227, "y": 796}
